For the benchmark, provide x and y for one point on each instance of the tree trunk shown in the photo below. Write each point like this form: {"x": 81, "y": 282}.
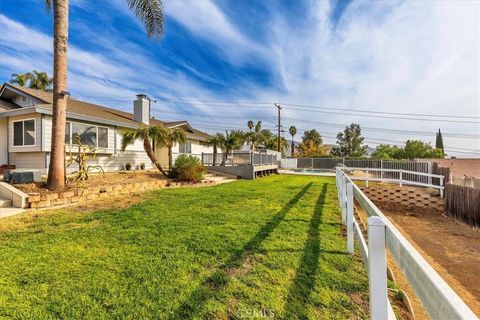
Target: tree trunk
{"x": 56, "y": 168}
{"x": 148, "y": 149}
{"x": 293, "y": 148}
{"x": 170, "y": 158}
{"x": 214, "y": 155}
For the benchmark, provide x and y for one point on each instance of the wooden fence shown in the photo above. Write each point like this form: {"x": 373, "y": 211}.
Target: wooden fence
{"x": 463, "y": 204}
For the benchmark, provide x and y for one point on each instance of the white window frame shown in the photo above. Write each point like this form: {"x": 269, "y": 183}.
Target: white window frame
{"x": 96, "y": 142}
{"x": 186, "y": 143}
{"x": 23, "y": 133}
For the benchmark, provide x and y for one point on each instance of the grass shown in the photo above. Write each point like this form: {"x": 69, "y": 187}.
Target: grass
{"x": 271, "y": 247}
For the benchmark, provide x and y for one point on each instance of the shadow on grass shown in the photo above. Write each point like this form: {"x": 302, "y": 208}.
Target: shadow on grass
{"x": 220, "y": 278}
{"x": 304, "y": 281}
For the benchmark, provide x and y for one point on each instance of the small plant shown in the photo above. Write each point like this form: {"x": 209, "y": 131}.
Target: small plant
{"x": 188, "y": 168}
{"x": 128, "y": 166}
{"x": 83, "y": 151}
{"x": 142, "y": 165}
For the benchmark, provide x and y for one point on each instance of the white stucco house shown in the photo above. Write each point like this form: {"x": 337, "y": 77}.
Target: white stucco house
{"x": 26, "y": 127}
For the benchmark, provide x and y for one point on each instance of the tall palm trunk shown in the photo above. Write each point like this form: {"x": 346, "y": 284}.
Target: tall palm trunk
{"x": 293, "y": 148}
{"x": 147, "y": 146}
{"x": 56, "y": 172}
{"x": 214, "y": 155}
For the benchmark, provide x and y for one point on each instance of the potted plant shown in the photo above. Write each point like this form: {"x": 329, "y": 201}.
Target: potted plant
{"x": 142, "y": 165}
{"x": 128, "y": 166}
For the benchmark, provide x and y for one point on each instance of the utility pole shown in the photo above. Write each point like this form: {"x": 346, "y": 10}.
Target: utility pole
{"x": 279, "y": 127}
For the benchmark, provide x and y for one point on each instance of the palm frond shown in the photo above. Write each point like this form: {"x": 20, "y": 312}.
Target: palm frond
{"x": 150, "y": 13}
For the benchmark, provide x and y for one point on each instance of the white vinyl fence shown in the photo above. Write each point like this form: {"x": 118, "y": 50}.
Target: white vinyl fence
{"x": 438, "y": 299}
{"x": 329, "y": 164}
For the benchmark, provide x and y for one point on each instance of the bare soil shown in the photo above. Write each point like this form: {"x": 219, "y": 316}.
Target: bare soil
{"x": 98, "y": 180}
{"x": 451, "y": 248}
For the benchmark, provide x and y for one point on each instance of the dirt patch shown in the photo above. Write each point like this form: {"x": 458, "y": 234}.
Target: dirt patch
{"x": 98, "y": 180}
{"x": 451, "y": 248}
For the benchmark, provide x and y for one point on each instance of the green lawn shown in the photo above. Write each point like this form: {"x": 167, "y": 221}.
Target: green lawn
{"x": 271, "y": 247}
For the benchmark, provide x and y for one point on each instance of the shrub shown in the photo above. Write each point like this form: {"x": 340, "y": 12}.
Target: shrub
{"x": 188, "y": 168}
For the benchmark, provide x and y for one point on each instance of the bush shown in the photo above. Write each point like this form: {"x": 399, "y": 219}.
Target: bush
{"x": 188, "y": 168}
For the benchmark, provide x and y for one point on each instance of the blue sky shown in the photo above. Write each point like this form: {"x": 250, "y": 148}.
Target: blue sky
{"x": 390, "y": 56}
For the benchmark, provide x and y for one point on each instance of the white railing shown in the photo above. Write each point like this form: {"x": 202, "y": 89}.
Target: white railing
{"x": 438, "y": 299}
{"x": 404, "y": 177}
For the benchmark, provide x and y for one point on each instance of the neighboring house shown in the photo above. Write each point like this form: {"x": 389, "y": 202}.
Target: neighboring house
{"x": 26, "y": 129}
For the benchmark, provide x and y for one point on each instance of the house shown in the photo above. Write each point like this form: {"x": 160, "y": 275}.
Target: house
{"x": 26, "y": 129}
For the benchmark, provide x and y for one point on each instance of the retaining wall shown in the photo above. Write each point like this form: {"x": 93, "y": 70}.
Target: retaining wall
{"x": 405, "y": 198}
{"x": 52, "y": 199}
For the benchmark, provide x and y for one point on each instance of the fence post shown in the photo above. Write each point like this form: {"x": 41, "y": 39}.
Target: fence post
{"x": 441, "y": 185}
{"x": 430, "y": 172}
{"x": 381, "y": 168}
{"x": 401, "y": 176}
{"x": 202, "y": 159}
{"x": 366, "y": 182}
{"x": 311, "y": 163}
{"x": 344, "y": 200}
{"x": 377, "y": 268}
{"x": 350, "y": 236}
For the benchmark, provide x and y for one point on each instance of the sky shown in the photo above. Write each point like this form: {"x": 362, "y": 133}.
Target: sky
{"x": 400, "y": 69}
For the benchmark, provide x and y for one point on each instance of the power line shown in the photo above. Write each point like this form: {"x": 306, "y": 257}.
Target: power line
{"x": 308, "y": 108}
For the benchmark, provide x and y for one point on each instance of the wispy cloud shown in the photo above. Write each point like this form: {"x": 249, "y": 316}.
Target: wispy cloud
{"x": 400, "y": 56}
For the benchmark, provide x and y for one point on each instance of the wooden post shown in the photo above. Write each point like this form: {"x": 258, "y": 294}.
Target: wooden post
{"x": 401, "y": 176}
{"x": 350, "y": 219}
{"x": 377, "y": 268}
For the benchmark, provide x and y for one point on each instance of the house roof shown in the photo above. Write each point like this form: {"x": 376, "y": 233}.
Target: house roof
{"x": 93, "y": 110}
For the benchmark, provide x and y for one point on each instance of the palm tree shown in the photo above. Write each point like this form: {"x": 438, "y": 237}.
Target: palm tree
{"x": 232, "y": 140}
{"x": 21, "y": 79}
{"x": 250, "y": 125}
{"x": 149, "y": 12}
{"x": 40, "y": 81}
{"x": 171, "y": 137}
{"x": 157, "y": 134}
{"x": 293, "y": 132}
{"x": 214, "y": 141}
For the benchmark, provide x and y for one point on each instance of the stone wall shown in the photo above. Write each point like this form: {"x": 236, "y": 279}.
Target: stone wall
{"x": 405, "y": 198}
{"x": 51, "y": 199}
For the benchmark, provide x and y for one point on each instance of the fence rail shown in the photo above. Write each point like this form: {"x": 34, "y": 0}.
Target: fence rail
{"x": 399, "y": 176}
{"x": 329, "y": 164}
{"x": 238, "y": 159}
{"x": 438, "y": 299}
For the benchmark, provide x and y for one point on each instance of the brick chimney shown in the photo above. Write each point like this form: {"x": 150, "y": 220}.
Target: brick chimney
{"x": 141, "y": 109}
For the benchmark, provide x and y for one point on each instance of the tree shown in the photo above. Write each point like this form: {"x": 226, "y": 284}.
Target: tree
{"x": 386, "y": 151}
{"x": 415, "y": 149}
{"x": 293, "y": 131}
{"x": 171, "y": 136}
{"x": 157, "y": 134}
{"x": 254, "y": 137}
{"x": 20, "y": 79}
{"x": 214, "y": 141}
{"x": 230, "y": 141}
{"x": 350, "y": 143}
{"x": 312, "y": 145}
{"x": 149, "y": 12}
{"x": 40, "y": 81}
{"x": 439, "y": 141}
{"x": 250, "y": 125}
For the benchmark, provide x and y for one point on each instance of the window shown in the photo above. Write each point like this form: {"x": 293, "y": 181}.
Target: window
{"x": 102, "y": 137}
{"x": 24, "y": 133}
{"x": 90, "y": 135}
{"x": 185, "y": 147}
